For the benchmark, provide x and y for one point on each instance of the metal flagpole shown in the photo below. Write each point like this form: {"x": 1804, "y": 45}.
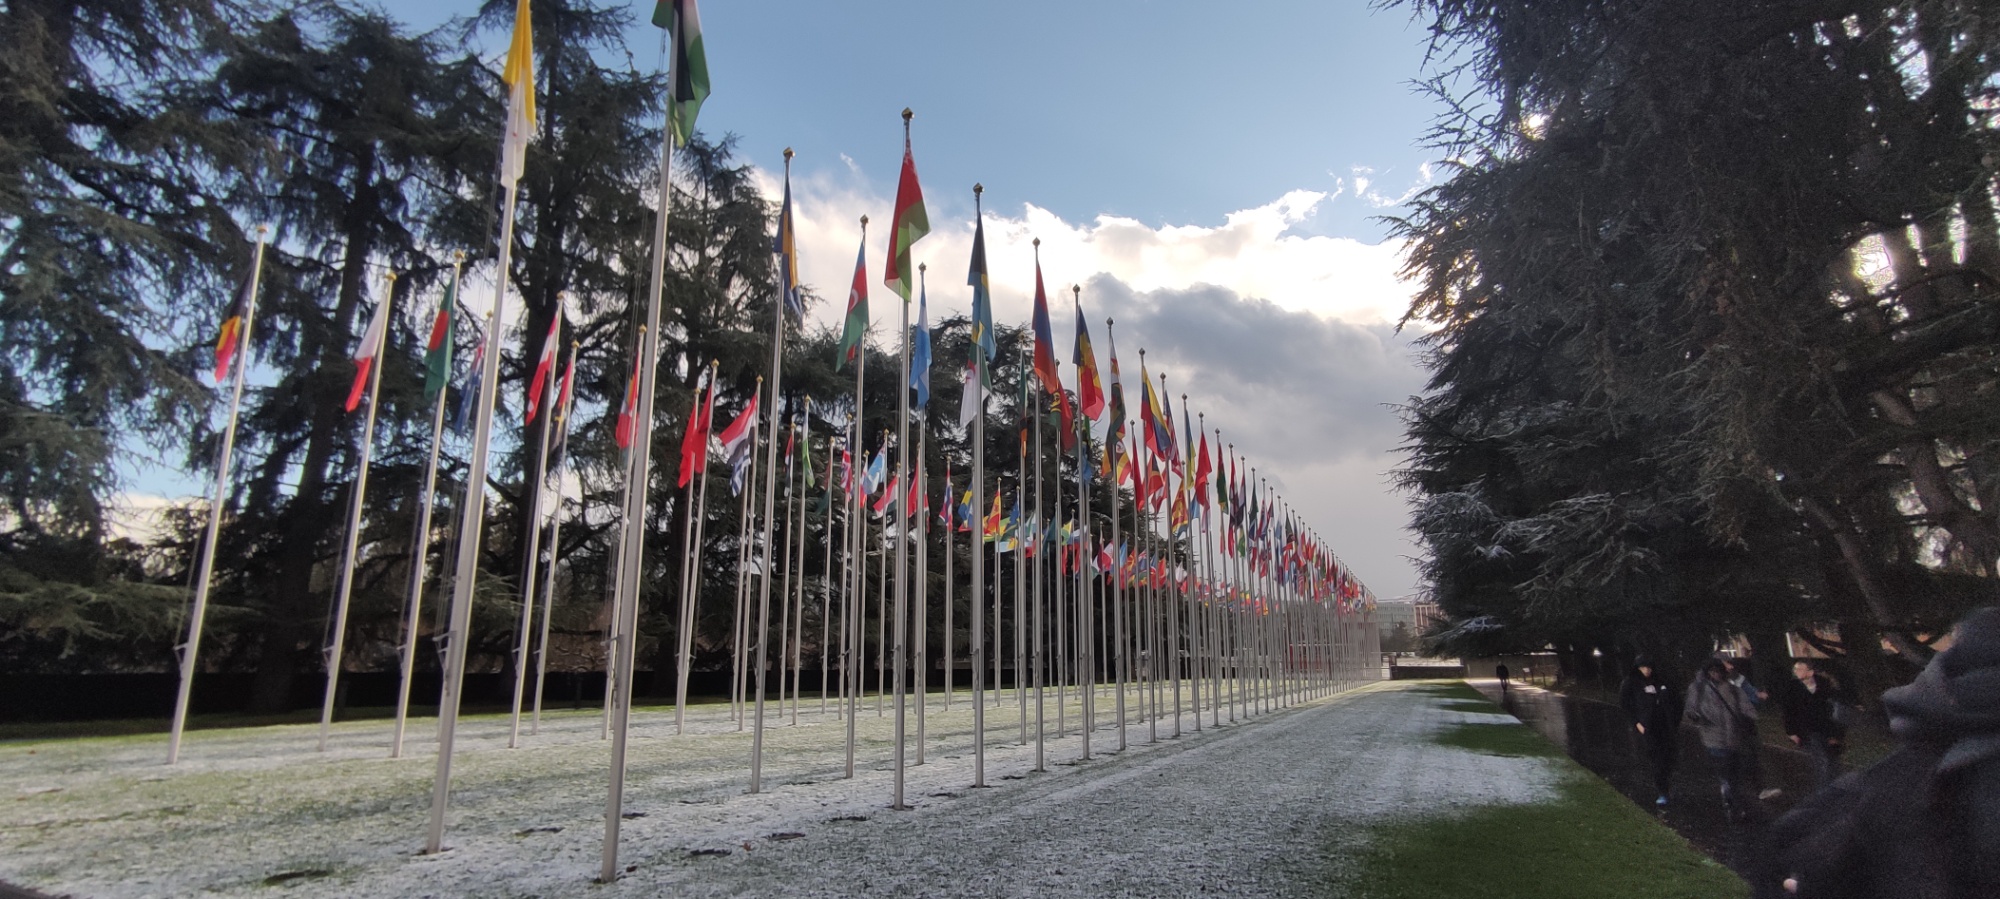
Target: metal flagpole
{"x": 977, "y": 644}
{"x": 199, "y": 613}
{"x": 795, "y": 558}
{"x": 534, "y": 490}
{"x": 420, "y": 551}
{"x": 470, "y": 529}
{"x": 826, "y": 581}
{"x": 632, "y": 555}
{"x": 346, "y": 589}
{"x": 1021, "y": 568}
{"x": 1086, "y": 645}
{"x": 691, "y": 573}
{"x": 778, "y": 314}
{"x": 1112, "y": 588}
{"x": 746, "y": 524}
{"x": 920, "y": 656}
{"x": 561, "y": 420}
{"x": 1036, "y": 654}
{"x": 857, "y": 563}
{"x": 900, "y": 656}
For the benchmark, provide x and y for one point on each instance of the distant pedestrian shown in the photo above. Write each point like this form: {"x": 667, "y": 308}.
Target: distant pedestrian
{"x": 1753, "y": 753}
{"x": 1648, "y": 698}
{"x": 1812, "y": 704}
{"x": 1923, "y": 823}
{"x": 1727, "y": 722}
{"x": 1500, "y": 671}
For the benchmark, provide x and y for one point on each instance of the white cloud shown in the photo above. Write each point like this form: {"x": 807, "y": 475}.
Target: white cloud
{"x": 1286, "y": 340}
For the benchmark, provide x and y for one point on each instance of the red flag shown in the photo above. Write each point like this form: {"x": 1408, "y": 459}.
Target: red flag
{"x": 542, "y": 367}
{"x": 694, "y": 444}
{"x": 738, "y": 430}
{"x": 628, "y": 412}
{"x": 231, "y": 337}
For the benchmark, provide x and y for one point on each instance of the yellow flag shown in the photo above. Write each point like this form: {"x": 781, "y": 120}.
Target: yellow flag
{"x": 520, "y": 78}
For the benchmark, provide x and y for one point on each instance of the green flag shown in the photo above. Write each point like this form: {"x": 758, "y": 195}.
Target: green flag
{"x": 690, "y": 66}
{"x": 437, "y": 352}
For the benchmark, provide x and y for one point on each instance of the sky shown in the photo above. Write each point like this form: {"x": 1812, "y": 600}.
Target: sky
{"x": 1212, "y": 175}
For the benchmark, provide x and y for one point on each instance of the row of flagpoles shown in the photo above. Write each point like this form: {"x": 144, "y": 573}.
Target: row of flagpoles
{"x": 1273, "y": 621}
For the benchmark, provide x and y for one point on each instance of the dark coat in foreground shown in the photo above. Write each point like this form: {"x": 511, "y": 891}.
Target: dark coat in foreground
{"x": 1923, "y": 823}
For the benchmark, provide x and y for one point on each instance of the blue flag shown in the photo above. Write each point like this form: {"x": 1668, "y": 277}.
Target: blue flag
{"x": 468, "y": 395}
{"x": 920, "y": 351}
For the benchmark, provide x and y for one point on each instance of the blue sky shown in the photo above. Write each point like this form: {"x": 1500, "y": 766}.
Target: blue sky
{"x": 1209, "y": 173}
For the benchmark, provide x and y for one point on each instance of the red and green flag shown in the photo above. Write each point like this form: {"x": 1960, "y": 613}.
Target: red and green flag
{"x": 909, "y": 226}
{"x": 437, "y": 350}
{"x": 856, "y": 327}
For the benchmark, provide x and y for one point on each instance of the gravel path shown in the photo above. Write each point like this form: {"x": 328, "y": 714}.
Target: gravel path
{"x": 1267, "y": 807}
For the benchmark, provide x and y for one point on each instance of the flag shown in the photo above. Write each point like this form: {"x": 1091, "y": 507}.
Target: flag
{"x": 786, "y": 245}
{"x": 519, "y": 76}
{"x": 1172, "y": 452}
{"x": 806, "y": 452}
{"x": 970, "y": 404}
{"x": 989, "y": 529}
{"x": 888, "y": 496}
{"x": 846, "y": 469}
{"x": 915, "y": 504}
{"x": 367, "y": 350}
{"x": 910, "y": 225}
{"x": 628, "y": 413}
{"x": 877, "y": 472}
{"x": 694, "y": 443}
{"x": 920, "y": 350}
{"x": 1177, "y": 516}
{"x": 946, "y": 508}
{"x": 683, "y": 21}
{"x": 468, "y": 396}
{"x": 1201, "y": 473}
{"x": 1045, "y": 344}
{"x": 982, "y": 293}
{"x": 1115, "y": 462}
{"x": 227, "y": 343}
{"x": 739, "y": 441}
{"x": 964, "y": 512}
{"x": 1089, "y": 390}
{"x": 543, "y": 366}
{"x": 437, "y": 350}
{"x": 561, "y": 411}
{"x": 856, "y": 327}
{"x": 1158, "y": 431}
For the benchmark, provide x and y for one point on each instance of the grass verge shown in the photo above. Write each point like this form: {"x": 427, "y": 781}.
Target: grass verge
{"x": 1585, "y": 843}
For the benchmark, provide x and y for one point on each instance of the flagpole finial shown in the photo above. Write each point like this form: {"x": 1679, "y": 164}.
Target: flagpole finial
{"x": 1038, "y": 243}
{"x": 389, "y": 276}
{"x": 978, "y": 188}
{"x": 457, "y": 257}
{"x": 788, "y": 154}
{"x": 263, "y": 230}
{"x": 864, "y": 223}
{"x": 908, "y": 115}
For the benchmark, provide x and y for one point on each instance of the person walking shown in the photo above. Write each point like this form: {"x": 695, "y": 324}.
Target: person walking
{"x": 1727, "y": 723}
{"x": 1810, "y": 704}
{"x": 1649, "y": 700}
{"x": 1753, "y": 752}
{"x": 1500, "y": 671}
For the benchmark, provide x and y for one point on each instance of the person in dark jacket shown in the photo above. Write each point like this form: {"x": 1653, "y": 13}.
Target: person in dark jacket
{"x": 1649, "y": 700}
{"x": 1727, "y": 722}
{"x": 1809, "y": 704}
{"x": 1923, "y": 823}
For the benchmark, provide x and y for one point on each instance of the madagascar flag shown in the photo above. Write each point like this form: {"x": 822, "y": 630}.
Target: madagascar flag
{"x": 231, "y": 338}
{"x": 910, "y": 225}
{"x": 437, "y": 350}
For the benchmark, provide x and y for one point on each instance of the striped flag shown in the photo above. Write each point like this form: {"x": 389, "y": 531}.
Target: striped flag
{"x": 231, "y": 338}
{"x": 1089, "y": 389}
{"x": 520, "y": 78}
{"x": 543, "y": 366}
{"x": 366, "y": 352}
{"x": 437, "y": 350}
{"x": 855, "y": 328}
{"x": 909, "y": 226}
{"x": 786, "y": 245}
{"x": 683, "y": 21}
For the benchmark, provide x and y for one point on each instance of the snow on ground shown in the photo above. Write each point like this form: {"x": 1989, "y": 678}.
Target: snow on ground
{"x": 1250, "y": 808}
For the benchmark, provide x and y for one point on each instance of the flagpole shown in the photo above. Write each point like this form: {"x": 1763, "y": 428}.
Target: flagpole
{"x": 533, "y": 559}
{"x": 786, "y": 596}
{"x": 1037, "y": 656}
{"x": 950, "y": 588}
{"x": 470, "y": 529}
{"x": 920, "y": 653}
{"x": 1086, "y": 646}
{"x": 560, "y": 419}
{"x": 825, "y": 580}
{"x": 1113, "y": 586}
{"x": 745, "y": 527}
{"x": 632, "y": 555}
{"x": 900, "y": 656}
{"x": 420, "y": 557}
{"x": 857, "y": 563}
{"x": 344, "y": 592}
{"x": 778, "y": 313}
{"x": 691, "y": 572}
{"x": 199, "y": 613}
{"x": 1020, "y": 568}
{"x": 977, "y": 643}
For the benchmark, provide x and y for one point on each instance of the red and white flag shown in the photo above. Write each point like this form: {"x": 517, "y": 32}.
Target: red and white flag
{"x": 367, "y": 351}
{"x": 543, "y": 367}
